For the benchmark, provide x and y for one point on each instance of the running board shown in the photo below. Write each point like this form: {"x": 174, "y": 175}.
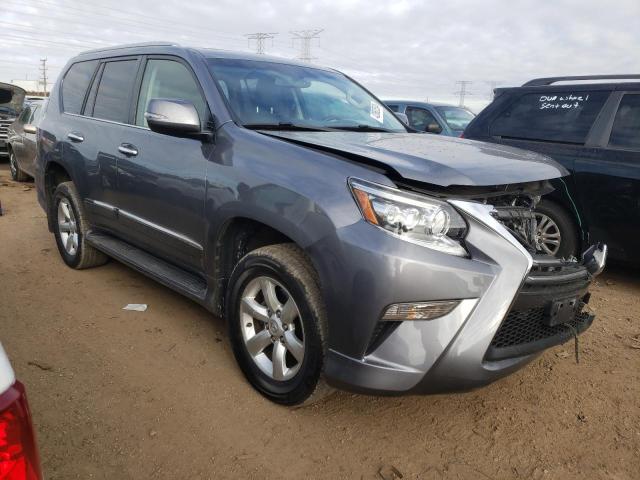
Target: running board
{"x": 163, "y": 272}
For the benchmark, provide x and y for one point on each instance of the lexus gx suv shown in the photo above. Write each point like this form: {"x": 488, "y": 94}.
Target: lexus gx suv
{"x": 342, "y": 249}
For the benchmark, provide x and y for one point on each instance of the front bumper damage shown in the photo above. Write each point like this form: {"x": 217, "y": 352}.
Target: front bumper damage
{"x": 531, "y": 303}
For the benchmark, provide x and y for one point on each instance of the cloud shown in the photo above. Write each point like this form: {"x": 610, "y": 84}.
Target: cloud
{"x": 401, "y": 48}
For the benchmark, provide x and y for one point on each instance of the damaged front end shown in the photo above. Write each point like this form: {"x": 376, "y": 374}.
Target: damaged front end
{"x": 551, "y": 306}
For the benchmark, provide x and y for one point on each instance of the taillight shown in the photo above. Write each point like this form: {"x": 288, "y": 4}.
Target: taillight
{"x": 18, "y": 454}
{"x": 462, "y": 135}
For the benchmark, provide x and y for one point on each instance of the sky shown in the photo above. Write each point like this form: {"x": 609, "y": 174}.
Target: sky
{"x": 406, "y": 49}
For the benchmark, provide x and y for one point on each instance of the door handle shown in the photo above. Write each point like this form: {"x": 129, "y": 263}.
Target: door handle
{"x": 128, "y": 149}
{"x": 75, "y": 137}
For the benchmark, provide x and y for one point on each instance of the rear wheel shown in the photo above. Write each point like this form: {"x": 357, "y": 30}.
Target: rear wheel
{"x": 70, "y": 228}
{"x": 556, "y": 232}
{"x": 16, "y": 174}
{"x": 277, "y": 324}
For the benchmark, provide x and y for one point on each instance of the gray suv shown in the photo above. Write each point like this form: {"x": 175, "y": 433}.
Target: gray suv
{"x": 341, "y": 249}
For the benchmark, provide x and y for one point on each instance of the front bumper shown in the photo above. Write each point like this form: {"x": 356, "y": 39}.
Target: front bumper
{"x": 459, "y": 352}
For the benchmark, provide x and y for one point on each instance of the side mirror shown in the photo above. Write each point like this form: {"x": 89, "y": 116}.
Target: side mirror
{"x": 433, "y": 128}
{"x": 402, "y": 117}
{"x": 172, "y": 116}
{"x": 28, "y": 128}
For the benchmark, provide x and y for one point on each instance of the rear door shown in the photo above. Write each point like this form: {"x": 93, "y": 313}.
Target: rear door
{"x": 609, "y": 180}
{"x": 27, "y": 162}
{"x": 95, "y": 134}
{"x": 162, "y": 178}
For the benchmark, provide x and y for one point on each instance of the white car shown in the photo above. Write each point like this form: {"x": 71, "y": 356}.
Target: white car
{"x": 18, "y": 450}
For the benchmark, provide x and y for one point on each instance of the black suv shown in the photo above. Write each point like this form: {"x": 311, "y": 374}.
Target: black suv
{"x": 592, "y": 129}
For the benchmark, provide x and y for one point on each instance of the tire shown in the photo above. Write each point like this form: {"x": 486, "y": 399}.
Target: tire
{"x": 557, "y": 223}
{"x": 297, "y": 382}
{"x": 16, "y": 174}
{"x": 81, "y": 255}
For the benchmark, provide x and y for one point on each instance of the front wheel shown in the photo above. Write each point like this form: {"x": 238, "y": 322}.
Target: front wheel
{"x": 556, "y": 232}
{"x": 277, "y": 324}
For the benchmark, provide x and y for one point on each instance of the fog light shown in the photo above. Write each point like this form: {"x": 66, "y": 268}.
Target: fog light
{"x": 419, "y": 310}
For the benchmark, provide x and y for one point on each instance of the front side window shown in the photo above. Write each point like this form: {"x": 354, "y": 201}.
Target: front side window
{"x": 171, "y": 80}
{"x": 114, "y": 91}
{"x": 75, "y": 84}
{"x": 263, "y": 94}
{"x": 420, "y": 119}
{"x": 626, "y": 126}
{"x": 457, "y": 118}
{"x": 555, "y": 117}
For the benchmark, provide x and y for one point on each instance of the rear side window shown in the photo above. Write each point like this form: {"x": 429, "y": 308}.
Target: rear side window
{"x": 114, "y": 91}
{"x": 75, "y": 84}
{"x": 626, "y": 125}
{"x": 555, "y": 117}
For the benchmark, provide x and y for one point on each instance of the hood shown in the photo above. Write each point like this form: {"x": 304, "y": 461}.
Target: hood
{"x": 434, "y": 159}
{"x": 11, "y": 97}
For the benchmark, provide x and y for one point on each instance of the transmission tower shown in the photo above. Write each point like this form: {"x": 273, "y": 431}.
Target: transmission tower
{"x": 305, "y": 37}
{"x": 463, "y": 92}
{"x": 260, "y": 38}
{"x": 43, "y": 72}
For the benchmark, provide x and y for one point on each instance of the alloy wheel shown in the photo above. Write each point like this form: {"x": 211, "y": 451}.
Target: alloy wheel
{"x": 67, "y": 227}
{"x": 548, "y": 237}
{"x": 13, "y": 166}
{"x": 272, "y": 329}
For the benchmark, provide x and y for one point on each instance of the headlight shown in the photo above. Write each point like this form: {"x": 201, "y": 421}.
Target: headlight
{"x": 415, "y": 218}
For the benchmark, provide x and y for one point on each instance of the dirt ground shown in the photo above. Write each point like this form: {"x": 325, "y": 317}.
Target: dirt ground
{"x": 128, "y": 395}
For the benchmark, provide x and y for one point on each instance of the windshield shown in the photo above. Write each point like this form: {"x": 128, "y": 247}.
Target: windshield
{"x": 457, "y": 118}
{"x": 267, "y": 94}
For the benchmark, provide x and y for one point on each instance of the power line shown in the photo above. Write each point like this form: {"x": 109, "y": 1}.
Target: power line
{"x": 463, "y": 92}
{"x": 260, "y": 38}
{"x": 305, "y": 37}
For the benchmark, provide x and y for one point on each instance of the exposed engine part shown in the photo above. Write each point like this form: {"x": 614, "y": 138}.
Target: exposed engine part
{"x": 516, "y": 213}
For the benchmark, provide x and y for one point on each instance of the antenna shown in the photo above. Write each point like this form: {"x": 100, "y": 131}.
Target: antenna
{"x": 305, "y": 37}
{"x": 260, "y": 38}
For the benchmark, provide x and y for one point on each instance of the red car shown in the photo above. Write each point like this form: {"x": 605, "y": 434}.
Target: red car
{"x": 18, "y": 450}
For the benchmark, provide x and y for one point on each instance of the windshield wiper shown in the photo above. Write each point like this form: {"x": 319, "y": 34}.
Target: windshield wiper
{"x": 285, "y": 126}
{"x": 361, "y": 128}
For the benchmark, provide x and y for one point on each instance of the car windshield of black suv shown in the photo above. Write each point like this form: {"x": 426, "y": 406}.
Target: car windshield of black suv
{"x": 269, "y": 95}
{"x": 457, "y": 118}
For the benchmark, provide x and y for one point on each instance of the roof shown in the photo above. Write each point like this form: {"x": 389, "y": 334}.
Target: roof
{"x": 422, "y": 104}
{"x": 205, "y": 52}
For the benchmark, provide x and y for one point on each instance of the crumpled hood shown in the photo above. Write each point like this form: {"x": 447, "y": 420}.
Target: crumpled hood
{"x": 434, "y": 159}
{"x": 11, "y": 96}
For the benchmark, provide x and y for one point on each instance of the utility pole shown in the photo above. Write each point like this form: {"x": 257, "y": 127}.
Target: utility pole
{"x": 43, "y": 71}
{"x": 260, "y": 38}
{"x": 305, "y": 37}
{"x": 463, "y": 92}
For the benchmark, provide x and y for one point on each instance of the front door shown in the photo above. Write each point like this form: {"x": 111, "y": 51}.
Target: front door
{"x": 162, "y": 178}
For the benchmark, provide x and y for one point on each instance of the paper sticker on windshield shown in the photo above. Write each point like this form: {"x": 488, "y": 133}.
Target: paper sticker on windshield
{"x": 377, "y": 113}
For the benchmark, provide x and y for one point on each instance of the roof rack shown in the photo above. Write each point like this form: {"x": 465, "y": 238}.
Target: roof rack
{"x": 131, "y": 45}
{"x": 538, "y": 82}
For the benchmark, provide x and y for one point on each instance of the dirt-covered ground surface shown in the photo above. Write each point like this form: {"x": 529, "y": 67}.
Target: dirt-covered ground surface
{"x": 129, "y": 395}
